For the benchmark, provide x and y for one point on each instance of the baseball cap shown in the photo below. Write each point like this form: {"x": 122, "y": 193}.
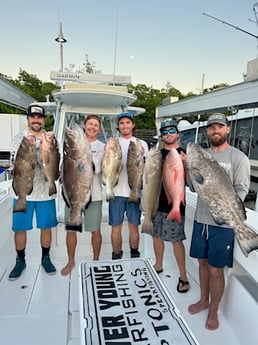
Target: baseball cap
{"x": 125, "y": 114}
{"x": 36, "y": 110}
{"x": 217, "y": 118}
{"x": 168, "y": 123}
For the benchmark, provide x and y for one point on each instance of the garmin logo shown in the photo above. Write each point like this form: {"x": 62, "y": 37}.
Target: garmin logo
{"x": 68, "y": 75}
{"x": 64, "y": 76}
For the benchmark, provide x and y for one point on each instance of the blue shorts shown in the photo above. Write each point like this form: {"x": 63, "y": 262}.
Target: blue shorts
{"x": 45, "y": 212}
{"x": 214, "y": 243}
{"x": 119, "y": 206}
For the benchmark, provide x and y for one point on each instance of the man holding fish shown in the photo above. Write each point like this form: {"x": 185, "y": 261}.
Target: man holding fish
{"x": 34, "y": 176}
{"x": 168, "y": 221}
{"x": 121, "y": 203}
{"x": 221, "y": 177}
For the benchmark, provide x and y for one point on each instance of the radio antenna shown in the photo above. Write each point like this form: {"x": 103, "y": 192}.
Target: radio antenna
{"x": 233, "y": 26}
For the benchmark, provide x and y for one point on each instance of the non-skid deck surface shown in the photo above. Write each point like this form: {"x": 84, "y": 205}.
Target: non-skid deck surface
{"x": 41, "y": 309}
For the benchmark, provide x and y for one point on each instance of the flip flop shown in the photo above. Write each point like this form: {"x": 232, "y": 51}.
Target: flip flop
{"x": 159, "y": 271}
{"x": 182, "y": 283}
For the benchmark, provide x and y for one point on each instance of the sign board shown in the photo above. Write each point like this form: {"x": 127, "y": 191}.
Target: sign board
{"x": 91, "y": 78}
{"x": 124, "y": 302}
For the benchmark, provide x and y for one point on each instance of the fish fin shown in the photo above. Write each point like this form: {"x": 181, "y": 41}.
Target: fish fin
{"x": 74, "y": 227}
{"x": 175, "y": 214}
{"x": 242, "y": 212}
{"x": 20, "y": 205}
{"x": 14, "y": 189}
{"x": 147, "y": 227}
{"x": 65, "y": 198}
{"x": 249, "y": 241}
{"x": 218, "y": 220}
{"x": 133, "y": 198}
{"x": 52, "y": 189}
{"x": 110, "y": 195}
{"x": 88, "y": 203}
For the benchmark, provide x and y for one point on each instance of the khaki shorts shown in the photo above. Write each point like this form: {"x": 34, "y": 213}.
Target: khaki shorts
{"x": 92, "y": 216}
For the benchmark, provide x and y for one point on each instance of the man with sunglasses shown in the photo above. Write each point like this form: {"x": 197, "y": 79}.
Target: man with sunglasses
{"x": 120, "y": 204}
{"x": 170, "y": 230}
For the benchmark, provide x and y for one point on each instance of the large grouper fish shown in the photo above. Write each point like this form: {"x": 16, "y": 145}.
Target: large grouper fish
{"x": 76, "y": 175}
{"x": 135, "y": 166}
{"x": 50, "y": 159}
{"x": 24, "y": 171}
{"x": 214, "y": 187}
{"x": 152, "y": 179}
{"x": 111, "y": 166}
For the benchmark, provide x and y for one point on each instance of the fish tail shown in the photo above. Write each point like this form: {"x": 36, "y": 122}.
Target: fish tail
{"x": 20, "y": 206}
{"x": 247, "y": 239}
{"x": 52, "y": 188}
{"x": 74, "y": 223}
{"x": 133, "y": 197}
{"x": 147, "y": 227}
{"x": 110, "y": 195}
{"x": 175, "y": 214}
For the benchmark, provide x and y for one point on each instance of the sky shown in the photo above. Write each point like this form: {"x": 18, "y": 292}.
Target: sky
{"x": 154, "y": 41}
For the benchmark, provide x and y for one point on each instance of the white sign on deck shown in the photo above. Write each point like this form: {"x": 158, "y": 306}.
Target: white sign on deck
{"x": 124, "y": 302}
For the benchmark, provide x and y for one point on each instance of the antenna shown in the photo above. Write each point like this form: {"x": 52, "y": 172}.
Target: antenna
{"x": 60, "y": 39}
{"x": 116, "y": 34}
{"x": 233, "y": 26}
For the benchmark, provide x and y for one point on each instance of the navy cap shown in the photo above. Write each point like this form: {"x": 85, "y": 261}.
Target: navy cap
{"x": 125, "y": 114}
{"x": 168, "y": 123}
{"x": 36, "y": 110}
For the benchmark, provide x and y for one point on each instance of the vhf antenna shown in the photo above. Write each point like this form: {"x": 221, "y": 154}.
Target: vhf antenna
{"x": 233, "y": 26}
{"x": 255, "y": 9}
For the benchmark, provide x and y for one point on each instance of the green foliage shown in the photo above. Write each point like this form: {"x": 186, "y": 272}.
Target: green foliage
{"x": 147, "y": 97}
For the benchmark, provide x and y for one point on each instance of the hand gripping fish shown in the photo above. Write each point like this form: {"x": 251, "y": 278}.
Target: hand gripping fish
{"x": 213, "y": 186}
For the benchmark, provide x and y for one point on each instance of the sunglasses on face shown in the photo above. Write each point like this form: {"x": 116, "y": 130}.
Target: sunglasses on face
{"x": 170, "y": 131}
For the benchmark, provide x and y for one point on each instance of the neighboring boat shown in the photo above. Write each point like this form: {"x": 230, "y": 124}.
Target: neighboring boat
{"x": 113, "y": 302}
{"x": 243, "y": 135}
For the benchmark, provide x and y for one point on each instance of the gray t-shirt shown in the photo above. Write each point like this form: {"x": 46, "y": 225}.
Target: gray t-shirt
{"x": 237, "y": 166}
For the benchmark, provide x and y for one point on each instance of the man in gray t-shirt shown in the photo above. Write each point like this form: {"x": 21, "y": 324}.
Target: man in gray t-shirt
{"x": 209, "y": 240}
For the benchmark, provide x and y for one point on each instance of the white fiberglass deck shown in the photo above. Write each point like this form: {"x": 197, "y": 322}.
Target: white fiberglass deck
{"x": 41, "y": 309}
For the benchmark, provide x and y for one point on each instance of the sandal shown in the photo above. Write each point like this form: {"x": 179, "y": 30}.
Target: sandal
{"x": 181, "y": 284}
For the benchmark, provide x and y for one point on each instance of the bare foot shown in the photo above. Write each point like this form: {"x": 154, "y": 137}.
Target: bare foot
{"x": 197, "y": 307}
{"x": 212, "y": 322}
{"x": 67, "y": 269}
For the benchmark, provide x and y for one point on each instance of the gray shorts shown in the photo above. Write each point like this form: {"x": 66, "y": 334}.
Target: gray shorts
{"x": 168, "y": 230}
{"x": 92, "y": 216}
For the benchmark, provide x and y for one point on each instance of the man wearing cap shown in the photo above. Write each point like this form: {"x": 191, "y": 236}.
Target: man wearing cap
{"x": 38, "y": 201}
{"x": 170, "y": 230}
{"x": 120, "y": 204}
{"x": 212, "y": 244}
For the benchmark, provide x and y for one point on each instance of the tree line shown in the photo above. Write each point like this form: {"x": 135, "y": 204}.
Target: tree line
{"x": 147, "y": 97}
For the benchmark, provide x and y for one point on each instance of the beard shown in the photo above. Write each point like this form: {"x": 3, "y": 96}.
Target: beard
{"x": 218, "y": 140}
{"x": 36, "y": 128}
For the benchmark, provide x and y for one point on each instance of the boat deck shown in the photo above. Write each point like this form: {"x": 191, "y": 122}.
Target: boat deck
{"x": 41, "y": 309}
